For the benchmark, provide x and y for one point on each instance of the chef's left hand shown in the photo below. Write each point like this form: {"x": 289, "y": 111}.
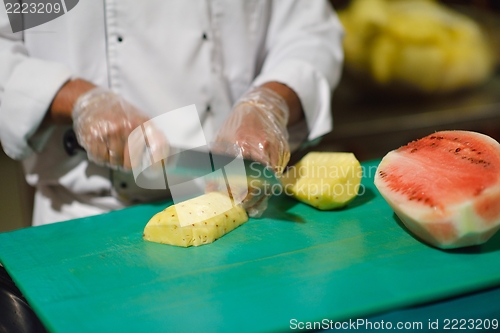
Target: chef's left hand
{"x": 258, "y": 125}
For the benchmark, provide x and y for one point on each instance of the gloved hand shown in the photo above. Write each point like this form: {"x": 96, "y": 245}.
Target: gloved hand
{"x": 103, "y": 122}
{"x": 258, "y": 125}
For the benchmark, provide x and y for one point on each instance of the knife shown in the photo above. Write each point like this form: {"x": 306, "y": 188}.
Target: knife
{"x": 200, "y": 162}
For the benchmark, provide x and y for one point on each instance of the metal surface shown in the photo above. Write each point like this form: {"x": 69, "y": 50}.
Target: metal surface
{"x": 198, "y": 163}
{"x": 16, "y": 315}
{"x": 98, "y": 274}
{"x": 370, "y": 123}
{"x": 195, "y": 162}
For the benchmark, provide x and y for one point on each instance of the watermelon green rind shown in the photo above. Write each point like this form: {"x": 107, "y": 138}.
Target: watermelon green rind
{"x": 445, "y": 187}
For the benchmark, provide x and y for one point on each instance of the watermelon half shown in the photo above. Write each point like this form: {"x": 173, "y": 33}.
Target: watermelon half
{"x": 445, "y": 187}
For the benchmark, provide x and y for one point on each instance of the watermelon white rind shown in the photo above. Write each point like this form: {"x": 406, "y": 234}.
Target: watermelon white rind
{"x": 445, "y": 187}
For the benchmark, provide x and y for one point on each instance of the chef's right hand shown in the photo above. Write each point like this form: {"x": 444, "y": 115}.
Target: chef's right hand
{"x": 103, "y": 122}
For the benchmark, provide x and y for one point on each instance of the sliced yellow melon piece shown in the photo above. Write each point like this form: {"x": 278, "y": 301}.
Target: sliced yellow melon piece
{"x": 324, "y": 180}
{"x": 213, "y": 215}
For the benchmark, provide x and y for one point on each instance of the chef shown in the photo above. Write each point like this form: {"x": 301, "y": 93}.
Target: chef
{"x": 260, "y": 73}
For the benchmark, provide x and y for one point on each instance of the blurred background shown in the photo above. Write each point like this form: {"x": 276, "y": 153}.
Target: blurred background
{"x": 482, "y": 4}
{"x": 412, "y": 67}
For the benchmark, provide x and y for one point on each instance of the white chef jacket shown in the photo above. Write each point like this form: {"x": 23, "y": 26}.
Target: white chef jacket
{"x": 160, "y": 56}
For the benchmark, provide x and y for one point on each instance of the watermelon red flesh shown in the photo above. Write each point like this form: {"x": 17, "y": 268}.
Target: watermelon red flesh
{"x": 444, "y": 184}
{"x": 445, "y": 168}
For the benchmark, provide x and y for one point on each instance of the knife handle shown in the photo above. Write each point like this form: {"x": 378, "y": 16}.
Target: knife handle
{"x": 71, "y": 145}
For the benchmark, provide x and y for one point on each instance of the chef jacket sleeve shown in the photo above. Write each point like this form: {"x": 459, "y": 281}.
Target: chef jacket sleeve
{"x": 304, "y": 52}
{"x": 27, "y": 88}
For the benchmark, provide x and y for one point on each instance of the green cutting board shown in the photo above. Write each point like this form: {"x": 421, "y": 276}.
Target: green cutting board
{"x": 98, "y": 275}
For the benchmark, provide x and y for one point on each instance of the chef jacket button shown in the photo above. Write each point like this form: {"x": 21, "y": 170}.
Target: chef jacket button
{"x": 208, "y": 108}
{"x": 120, "y": 39}
{"x": 205, "y": 37}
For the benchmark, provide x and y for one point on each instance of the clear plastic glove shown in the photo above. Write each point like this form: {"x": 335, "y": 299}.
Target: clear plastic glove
{"x": 103, "y": 122}
{"x": 258, "y": 125}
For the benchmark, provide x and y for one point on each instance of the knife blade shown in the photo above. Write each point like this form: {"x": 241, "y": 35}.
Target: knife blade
{"x": 195, "y": 163}
{"x": 202, "y": 162}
